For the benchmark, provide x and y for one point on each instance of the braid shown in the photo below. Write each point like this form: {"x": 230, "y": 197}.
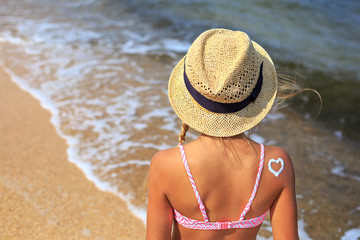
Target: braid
{"x": 184, "y": 129}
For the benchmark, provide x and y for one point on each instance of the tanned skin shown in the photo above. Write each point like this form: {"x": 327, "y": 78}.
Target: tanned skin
{"x": 225, "y": 177}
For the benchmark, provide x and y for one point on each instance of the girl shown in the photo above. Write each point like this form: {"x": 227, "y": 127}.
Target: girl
{"x": 221, "y": 185}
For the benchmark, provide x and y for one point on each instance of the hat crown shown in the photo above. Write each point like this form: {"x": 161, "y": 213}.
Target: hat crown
{"x": 223, "y": 65}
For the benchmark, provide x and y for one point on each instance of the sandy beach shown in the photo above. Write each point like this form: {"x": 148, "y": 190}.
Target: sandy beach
{"x": 42, "y": 194}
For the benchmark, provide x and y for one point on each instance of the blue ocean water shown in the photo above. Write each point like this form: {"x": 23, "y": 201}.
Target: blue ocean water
{"x": 321, "y": 35}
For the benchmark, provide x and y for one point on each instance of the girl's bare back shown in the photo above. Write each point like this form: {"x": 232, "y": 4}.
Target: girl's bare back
{"x": 225, "y": 178}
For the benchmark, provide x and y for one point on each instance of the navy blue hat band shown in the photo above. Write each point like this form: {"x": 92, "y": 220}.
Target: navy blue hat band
{"x": 218, "y": 107}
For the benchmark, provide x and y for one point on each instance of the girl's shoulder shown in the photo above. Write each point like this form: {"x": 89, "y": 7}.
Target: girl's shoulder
{"x": 165, "y": 163}
{"x": 166, "y": 156}
{"x": 278, "y": 166}
{"x": 272, "y": 151}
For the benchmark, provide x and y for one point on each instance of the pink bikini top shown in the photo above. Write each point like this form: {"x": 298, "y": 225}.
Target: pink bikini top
{"x": 206, "y": 224}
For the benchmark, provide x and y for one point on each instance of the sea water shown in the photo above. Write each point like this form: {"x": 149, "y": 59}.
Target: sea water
{"x": 101, "y": 69}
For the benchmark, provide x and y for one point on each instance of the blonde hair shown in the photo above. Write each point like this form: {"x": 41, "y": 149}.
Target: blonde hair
{"x": 184, "y": 129}
{"x": 289, "y": 87}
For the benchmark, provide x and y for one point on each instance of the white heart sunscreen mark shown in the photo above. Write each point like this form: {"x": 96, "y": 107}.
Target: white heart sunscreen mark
{"x": 276, "y": 173}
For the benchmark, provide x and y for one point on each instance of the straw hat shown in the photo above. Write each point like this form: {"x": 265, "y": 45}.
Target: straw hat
{"x": 225, "y": 84}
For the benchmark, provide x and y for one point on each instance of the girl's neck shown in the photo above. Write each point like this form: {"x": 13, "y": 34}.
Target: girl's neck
{"x": 238, "y": 139}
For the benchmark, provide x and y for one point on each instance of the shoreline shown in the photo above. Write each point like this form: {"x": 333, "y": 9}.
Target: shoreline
{"x": 43, "y": 195}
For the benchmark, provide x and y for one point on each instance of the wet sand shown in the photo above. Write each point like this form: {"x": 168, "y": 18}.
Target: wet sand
{"x": 42, "y": 194}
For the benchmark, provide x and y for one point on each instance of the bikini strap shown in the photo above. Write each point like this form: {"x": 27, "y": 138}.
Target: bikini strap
{"x": 256, "y": 186}
{"x": 197, "y": 195}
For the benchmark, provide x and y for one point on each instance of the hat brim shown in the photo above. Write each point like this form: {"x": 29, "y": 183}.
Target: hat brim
{"x": 223, "y": 124}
